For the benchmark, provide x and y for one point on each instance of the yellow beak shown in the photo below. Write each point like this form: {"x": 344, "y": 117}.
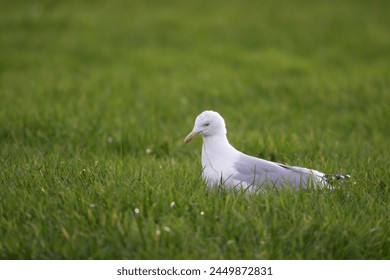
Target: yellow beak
{"x": 190, "y": 136}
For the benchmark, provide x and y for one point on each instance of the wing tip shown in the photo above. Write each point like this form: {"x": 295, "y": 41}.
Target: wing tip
{"x": 330, "y": 177}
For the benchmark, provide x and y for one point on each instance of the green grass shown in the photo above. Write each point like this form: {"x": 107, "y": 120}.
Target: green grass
{"x": 97, "y": 96}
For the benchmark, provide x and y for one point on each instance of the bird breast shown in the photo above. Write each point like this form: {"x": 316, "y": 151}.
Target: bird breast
{"x": 216, "y": 167}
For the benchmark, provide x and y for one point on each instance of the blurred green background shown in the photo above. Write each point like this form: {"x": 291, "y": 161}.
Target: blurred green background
{"x": 95, "y": 95}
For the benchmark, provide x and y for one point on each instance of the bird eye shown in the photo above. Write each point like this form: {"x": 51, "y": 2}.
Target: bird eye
{"x": 206, "y": 124}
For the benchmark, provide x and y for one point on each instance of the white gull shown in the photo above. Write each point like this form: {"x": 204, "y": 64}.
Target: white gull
{"x": 223, "y": 165}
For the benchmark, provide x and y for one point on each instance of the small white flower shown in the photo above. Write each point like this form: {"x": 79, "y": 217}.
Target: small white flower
{"x": 136, "y": 211}
{"x": 201, "y": 213}
{"x": 172, "y": 204}
{"x": 167, "y": 229}
{"x": 158, "y": 232}
{"x": 149, "y": 151}
{"x": 230, "y": 242}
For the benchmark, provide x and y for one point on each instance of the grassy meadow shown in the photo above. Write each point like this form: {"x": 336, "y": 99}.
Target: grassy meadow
{"x": 96, "y": 98}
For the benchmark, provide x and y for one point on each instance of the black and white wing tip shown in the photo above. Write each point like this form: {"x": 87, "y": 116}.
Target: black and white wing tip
{"x": 332, "y": 177}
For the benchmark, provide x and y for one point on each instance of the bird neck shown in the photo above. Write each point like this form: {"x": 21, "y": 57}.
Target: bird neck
{"x": 216, "y": 142}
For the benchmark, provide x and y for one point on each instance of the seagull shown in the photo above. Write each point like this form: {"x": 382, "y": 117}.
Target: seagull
{"x": 223, "y": 165}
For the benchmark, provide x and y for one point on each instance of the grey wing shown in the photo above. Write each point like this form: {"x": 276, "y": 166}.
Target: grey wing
{"x": 255, "y": 171}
